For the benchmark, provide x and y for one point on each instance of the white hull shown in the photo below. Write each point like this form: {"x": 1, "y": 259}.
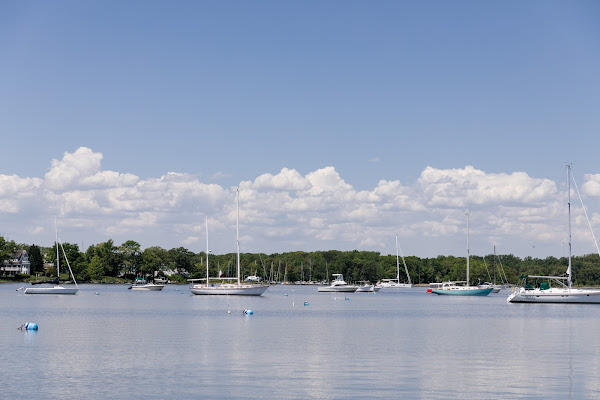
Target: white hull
{"x": 555, "y": 295}
{"x": 229, "y": 289}
{"x": 338, "y": 288}
{"x": 148, "y": 286}
{"x": 366, "y": 288}
{"x": 51, "y": 290}
{"x": 391, "y": 285}
{"x": 495, "y": 289}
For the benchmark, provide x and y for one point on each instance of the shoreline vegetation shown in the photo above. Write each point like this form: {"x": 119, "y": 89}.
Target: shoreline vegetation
{"x": 110, "y": 263}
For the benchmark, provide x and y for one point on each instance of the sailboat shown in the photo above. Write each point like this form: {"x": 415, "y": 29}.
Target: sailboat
{"x": 395, "y": 283}
{"x": 563, "y": 294}
{"x": 462, "y": 288}
{"x": 239, "y": 288}
{"x": 57, "y": 288}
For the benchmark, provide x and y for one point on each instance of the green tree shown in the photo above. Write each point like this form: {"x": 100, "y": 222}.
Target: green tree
{"x": 36, "y": 259}
{"x": 74, "y": 257}
{"x": 153, "y": 258}
{"x": 181, "y": 259}
{"x": 7, "y": 249}
{"x": 131, "y": 256}
{"x": 110, "y": 256}
{"x": 95, "y": 269}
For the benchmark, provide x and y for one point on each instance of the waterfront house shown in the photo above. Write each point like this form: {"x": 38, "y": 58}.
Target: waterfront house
{"x": 17, "y": 264}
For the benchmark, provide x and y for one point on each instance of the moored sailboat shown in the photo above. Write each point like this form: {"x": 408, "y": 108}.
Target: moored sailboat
{"x": 544, "y": 293}
{"x": 238, "y": 288}
{"x": 457, "y": 288}
{"x": 57, "y": 288}
{"x": 395, "y": 283}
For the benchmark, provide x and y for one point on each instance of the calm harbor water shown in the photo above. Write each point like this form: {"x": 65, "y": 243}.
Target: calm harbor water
{"x": 405, "y": 344}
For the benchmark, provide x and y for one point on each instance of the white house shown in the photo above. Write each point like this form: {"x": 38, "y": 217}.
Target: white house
{"x": 18, "y": 264}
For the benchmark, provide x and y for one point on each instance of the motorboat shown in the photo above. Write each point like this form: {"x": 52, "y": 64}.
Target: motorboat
{"x": 338, "y": 285}
{"x": 368, "y": 287}
{"x": 147, "y": 286}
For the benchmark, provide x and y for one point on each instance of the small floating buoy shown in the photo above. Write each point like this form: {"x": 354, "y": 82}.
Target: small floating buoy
{"x": 347, "y": 298}
{"x": 248, "y": 312}
{"x": 306, "y": 303}
{"x": 228, "y": 312}
{"x": 429, "y": 290}
{"x": 29, "y": 326}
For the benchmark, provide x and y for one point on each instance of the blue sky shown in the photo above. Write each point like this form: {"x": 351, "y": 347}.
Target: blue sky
{"x": 296, "y": 98}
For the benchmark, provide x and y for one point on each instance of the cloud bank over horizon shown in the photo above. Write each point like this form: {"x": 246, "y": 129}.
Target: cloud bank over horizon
{"x": 288, "y": 211}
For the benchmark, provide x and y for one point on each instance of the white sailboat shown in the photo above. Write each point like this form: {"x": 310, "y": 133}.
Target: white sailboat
{"x": 239, "y": 288}
{"x": 563, "y": 294}
{"x": 456, "y": 288}
{"x": 395, "y": 283}
{"x": 57, "y": 288}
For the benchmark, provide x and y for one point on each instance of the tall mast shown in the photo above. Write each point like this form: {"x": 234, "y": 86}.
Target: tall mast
{"x": 237, "y": 234}
{"x": 207, "y": 251}
{"x": 494, "y": 265}
{"x": 57, "y": 252}
{"x": 397, "y": 263}
{"x": 569, "y": 210}
{"x": 468, "y": 248}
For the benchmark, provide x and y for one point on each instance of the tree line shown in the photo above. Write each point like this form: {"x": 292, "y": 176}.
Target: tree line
{"x": 105, "y": 261}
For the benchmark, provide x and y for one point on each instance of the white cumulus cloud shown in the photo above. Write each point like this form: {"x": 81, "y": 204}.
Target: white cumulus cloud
{"x": 290, "y": 211}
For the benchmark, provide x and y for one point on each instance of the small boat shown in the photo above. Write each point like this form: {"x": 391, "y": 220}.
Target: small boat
{"x": 462, "y": 288}
{"x": 367, "y": 287}
{"x": 487, "y": 285}
{"x": 395, "y": 283}
{"x": 338, "y": 285}
{"x": 146, "y": 286}
{"x": 544, "y": 293}
{"x": 57, "y": 288}
{"x": 239, "y": 288}
{"x": 434, "y": 285}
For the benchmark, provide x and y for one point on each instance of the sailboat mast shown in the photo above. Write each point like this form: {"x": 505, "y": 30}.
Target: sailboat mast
{"x": 237, "y": 235}
{"x": 57, "y": 252}
{"x": 569, "y": 211}
{"x": 468, "y": 248}
{"x": 397, "y": 263}
{"x": 494, "y": 265}
{"x": 207, "y": 251}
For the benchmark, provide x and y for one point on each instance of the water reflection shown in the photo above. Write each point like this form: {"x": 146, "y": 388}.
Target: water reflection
{"x": 408, "y": 345}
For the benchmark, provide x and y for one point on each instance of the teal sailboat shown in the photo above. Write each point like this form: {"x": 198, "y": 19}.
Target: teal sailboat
{"x": 462, "y": 288}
